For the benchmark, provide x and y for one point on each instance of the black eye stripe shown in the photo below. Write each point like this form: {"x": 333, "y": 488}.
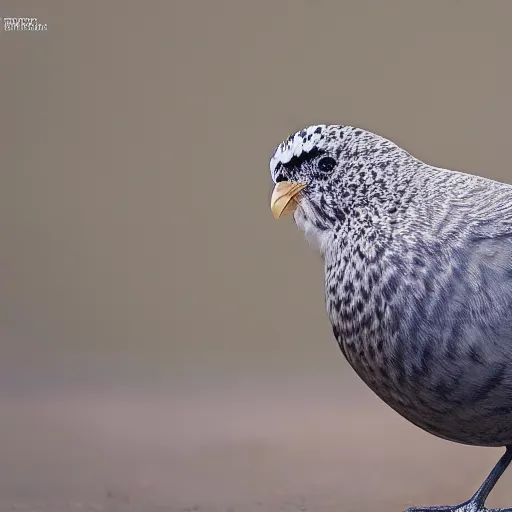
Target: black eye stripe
{"x": 298, "y": 161}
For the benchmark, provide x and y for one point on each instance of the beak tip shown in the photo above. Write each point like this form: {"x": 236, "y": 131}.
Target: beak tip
{"x": 284, "y": 198}
{"x": 275, "y": 213}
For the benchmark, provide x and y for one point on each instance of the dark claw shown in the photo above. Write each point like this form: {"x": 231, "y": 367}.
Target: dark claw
{"x": 468, "y": 506}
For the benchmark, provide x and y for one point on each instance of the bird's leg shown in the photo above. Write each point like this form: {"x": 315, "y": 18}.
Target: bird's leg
{"x": 477, "y": 502}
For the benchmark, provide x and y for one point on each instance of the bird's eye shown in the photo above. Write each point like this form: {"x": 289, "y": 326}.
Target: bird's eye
{"x": 326, "y": 164}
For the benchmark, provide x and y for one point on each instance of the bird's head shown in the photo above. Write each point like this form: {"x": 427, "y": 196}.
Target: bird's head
{"x": 334, "y": 176}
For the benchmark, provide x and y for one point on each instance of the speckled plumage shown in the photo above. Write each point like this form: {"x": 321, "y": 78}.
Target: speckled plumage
{"x": 418, "y": 277}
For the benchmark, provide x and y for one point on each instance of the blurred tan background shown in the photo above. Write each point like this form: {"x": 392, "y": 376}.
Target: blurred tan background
{"x": 164, "y": 344}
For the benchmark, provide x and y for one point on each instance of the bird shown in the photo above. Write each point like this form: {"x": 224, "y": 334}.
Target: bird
{"x": 418, "y": 280}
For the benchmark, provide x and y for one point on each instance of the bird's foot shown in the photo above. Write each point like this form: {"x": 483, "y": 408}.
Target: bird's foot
{"x": 477, "y": 501}
{"x": 468, "y": 506}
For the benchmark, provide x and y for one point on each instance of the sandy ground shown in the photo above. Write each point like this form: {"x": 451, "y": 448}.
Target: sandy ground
{"x": 225, "y": 450}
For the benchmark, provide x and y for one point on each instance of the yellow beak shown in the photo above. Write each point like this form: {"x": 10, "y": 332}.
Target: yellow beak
{"x": 285, "y": 198}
